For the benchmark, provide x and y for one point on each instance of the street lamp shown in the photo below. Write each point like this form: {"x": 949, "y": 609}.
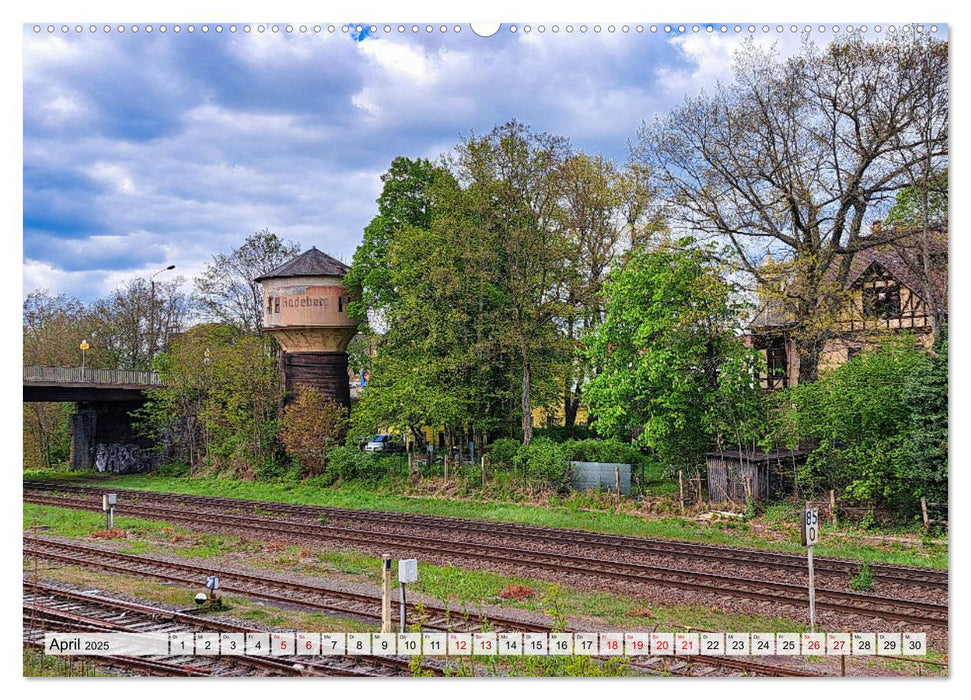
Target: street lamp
{"x": 151, "y": 329}
{"x": 83, "y": 346}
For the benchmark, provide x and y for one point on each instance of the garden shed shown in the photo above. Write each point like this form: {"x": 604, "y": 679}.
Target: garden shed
{"x": 735, "y": 476}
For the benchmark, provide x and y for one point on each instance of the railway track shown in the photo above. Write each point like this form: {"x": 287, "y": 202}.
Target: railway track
{"x": 357, "y": 605}
{"x": 915, "y": 612}
{"x": 49, "y": 608}
{"x": 887, "y": 573}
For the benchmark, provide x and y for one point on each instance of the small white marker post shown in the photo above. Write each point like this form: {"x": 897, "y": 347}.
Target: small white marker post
{"x": 108, "y": 502}
{"x": 407, "y": 573}
{"x": 809, "y": 532}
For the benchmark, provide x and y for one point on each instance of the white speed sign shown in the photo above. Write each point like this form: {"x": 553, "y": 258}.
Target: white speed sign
{"x": 809, "y": 529}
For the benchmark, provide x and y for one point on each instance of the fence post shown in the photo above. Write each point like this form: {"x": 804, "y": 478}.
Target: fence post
{"x": 617, "y": 482}
{"x": 832, "y": 504}
{"x": 483, "y": 472}
{"x": 446, "y": 465}
{"x": 681, "y": 487}
{"x": 923, "y": 510}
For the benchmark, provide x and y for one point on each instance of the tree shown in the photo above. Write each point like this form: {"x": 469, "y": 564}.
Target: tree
{"x": 310, "y": 427}
{"x": 406, "y": 199}
{"x": 512, "y": 180}
{"x": 129, "y": 326}
{"x": 217, "y": 408}
{"x": 794, "y": 157}
{"x": 53, "y": 327}
{"x": 604, "y": 210}
{"x": 675, "y": 375}
{"x": 226, "y": 291}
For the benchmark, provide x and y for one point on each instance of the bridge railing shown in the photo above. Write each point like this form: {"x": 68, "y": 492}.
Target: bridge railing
{"x": 89, "y": 375}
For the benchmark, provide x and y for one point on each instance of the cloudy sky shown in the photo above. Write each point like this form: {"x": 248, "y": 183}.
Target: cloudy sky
{"x": 143, "y": 149}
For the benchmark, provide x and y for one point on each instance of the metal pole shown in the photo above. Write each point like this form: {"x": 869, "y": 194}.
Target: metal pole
{"x": 812, "y": 593}
{"x": 111, "y": 518}
{"x": 403, "y": 614}
{"x": 386, "y": 593}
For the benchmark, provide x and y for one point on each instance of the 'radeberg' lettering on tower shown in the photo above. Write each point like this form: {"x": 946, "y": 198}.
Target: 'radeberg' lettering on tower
{"x": 293, "y": 302}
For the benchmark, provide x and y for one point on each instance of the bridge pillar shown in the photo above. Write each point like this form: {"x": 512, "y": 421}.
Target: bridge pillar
{"x": 102, "y": 438}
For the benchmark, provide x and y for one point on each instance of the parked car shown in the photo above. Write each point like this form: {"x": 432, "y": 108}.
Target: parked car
{"x": 383, "y": 443}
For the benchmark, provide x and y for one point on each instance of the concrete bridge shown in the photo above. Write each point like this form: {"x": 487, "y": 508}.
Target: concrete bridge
{"x": 102, "y": 435}
{"x": 102, "y": 432}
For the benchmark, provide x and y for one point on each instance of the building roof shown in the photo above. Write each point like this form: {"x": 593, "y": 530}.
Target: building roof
{"x": 897, "y": 258}
{"x": 312, "y": 263}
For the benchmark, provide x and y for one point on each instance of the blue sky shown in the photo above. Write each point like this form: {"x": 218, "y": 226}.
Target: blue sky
{"x": 143, "y": 149}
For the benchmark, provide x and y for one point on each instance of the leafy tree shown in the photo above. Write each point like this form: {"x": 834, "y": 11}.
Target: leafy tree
{"x": 675, "y": 374}
{"x": 512, "y": 181}
{"x": 226, "y": 291}
{"x": 794, "y": 157}
{"x": 310, "y": 427}
{"x": 218, "y": 406}
{"x": 406, "y": 200}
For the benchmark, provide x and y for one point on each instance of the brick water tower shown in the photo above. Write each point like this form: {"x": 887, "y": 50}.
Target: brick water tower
{"x": 305, "y": 309}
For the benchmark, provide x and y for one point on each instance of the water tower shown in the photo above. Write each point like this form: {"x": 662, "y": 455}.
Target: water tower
{"x": 305, "y": 309}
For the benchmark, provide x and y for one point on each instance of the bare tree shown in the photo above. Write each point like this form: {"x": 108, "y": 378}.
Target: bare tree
{"x": 226, "y": 292}
{"x": 796, "y": 158}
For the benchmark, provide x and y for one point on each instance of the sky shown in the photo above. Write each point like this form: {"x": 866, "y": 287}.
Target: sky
{"x": 148, "y": 149}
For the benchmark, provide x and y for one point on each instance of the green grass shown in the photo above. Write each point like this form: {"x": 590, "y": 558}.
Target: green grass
{"x": 37, "y": 664}
{"x": 777, "y": 519}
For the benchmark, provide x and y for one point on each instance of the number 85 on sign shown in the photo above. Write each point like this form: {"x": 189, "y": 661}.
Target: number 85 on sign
{"x": 809, "y": 527}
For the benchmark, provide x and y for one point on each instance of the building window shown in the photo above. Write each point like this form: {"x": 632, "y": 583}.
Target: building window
{"x": 276, "y": 305}
{"x": 340, "y": 304}
{"x": 269, "y": 305}
{"x": 882, "y": 301}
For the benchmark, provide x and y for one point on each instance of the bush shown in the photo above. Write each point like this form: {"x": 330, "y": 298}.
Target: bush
{"x": 502, "y": 453}
{"x": 174, "y": 469}
{"x": 347, "y": 462}
{"x": 545, "y": 463}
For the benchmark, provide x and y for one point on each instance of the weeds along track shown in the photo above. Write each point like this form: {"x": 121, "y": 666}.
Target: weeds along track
{"x": 931, "y": 579}
{"x": 49, "y": 608}
{"x": 286, "y": 591}
{"x": 915, "y": 612}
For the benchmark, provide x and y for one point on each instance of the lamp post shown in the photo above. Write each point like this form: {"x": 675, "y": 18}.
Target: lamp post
{"x": 151, "y": 328}
{"x": 83, "y": 346}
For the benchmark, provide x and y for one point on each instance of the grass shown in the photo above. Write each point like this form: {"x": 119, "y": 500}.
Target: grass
{"x": 37, "y": 664}
{"x": 775, "y": 530}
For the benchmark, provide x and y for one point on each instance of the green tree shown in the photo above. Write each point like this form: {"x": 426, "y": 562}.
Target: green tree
{"x": 512, "y": 181}
{"x": 675, "y": 374}
{"x": 407, "y": 199}
{"x": 218, "y": 406}
{"x": 226, "y": 291}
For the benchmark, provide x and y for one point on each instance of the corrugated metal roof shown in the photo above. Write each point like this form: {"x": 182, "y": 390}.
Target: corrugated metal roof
{"x": 313, "y": 263}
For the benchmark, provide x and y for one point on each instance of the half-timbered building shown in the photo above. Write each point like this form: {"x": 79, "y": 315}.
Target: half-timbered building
{"x": 891, "y": 288}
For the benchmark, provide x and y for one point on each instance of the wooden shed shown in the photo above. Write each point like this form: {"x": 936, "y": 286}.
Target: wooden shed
{"x": 735, "y": 476}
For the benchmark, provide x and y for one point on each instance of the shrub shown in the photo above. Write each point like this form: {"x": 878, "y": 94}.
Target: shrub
{"x": 545, "y": 463}
{"x": 863, "y": 580}
{"x": 311, "y": 427}
{"x": 502, "y": 453}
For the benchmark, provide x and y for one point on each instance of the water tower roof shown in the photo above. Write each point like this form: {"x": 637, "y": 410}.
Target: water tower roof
{"x": 313, "y": 263}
